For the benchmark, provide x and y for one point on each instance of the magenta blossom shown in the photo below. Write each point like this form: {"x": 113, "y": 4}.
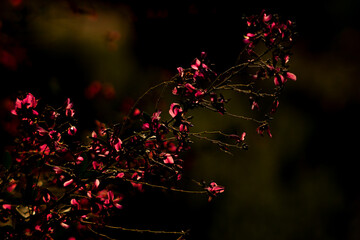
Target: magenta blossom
{"x": 6, "y": 206}
{"x": 69, "y": 111}
{"x": 214, "y": 189}
{"x": 175, "y": 109}
{"x": 156, "y": 116}
{"x": 116, "y": 143}
{"x": 69, "y": 182}
{"x": 169, "y": 159}
{"x": 264, "y": 128}
{"x": 29, "y": 102}
{"x": 72, "y": 130}
{"x": 181, "y": 71}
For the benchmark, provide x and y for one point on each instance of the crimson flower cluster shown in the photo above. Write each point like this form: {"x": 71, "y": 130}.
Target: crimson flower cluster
{"x": 277, "y": 36}
{"x": 56, "y": 181}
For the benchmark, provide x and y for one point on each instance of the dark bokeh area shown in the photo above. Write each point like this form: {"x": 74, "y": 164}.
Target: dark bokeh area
{"x": 301, "y": 184}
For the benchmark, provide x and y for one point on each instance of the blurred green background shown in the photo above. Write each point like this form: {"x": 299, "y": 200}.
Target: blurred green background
{"x": 301, "y": 184}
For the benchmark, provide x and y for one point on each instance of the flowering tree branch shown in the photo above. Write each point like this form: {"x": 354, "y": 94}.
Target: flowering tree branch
{"x": 54, "y": 180}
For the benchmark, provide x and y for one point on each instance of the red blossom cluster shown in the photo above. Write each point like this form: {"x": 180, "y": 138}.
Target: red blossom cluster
{"x": 62, "y": 182}
{"x": 277, "y": 36}
{"x": 55, "y": 180}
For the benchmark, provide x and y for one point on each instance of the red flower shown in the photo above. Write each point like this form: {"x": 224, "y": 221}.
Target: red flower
{"x": 116, "y": 143}
{"x": 69, "y": 111}
{"x": 261, "y": 129}
{"x": 6, "y": 206}
{"x": 169, "y": 159}
{"x": 214, "y": 189}
{"x": 69, "y": 182}
{"x": 181, "y": 71}
{"x": 291, "y": 76}
{"x": 29, "y": 102}
{"x": 175, "y": 109}
{"x": 72, "y": 130}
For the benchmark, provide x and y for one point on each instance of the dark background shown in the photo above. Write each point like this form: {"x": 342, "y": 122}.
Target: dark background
{"x": 301, "y": 184}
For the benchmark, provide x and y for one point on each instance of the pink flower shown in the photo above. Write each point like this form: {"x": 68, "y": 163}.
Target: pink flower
{"x": 139, "y": 186}
{"x": 117, "y": 144}
{"x": 156, "y": 116}
{"x": 275, "y": 106}
{"x": 41, "y": 131}
{"x": 181, "y": 71}
{"x": 111, "y": 200}
{"x": 238, "y": 139}
{"x": 243, "y": 136}
{"x": 261, "y": 129}
{"x": 69, "y": 111}
{"x": 175, "y": 91}
{"x": 136, "y": 112}
{"x": 279, "y": 79}
{"x": 199, "y": 93}
{"x": 266, "y": 18}
{"x": 64, "y": 225}
{"x": 190, "y": 87}
{"x": 97, "y": 183}
{"x": 79, "y": 159}
{"x": 6, "y": 206}
{"x": 69, "y": 182}
{"x": 145, "y": 126}
{"x": 75, "y": 203}
{"x": 46, "y": 198}
{"x": 196, "y": 64}
{"x": 169, "y": 159}
{"x": 214, "y": 189}
{"x": 287, "y": 59}
{"x": 175, "y": 109}
{"x": 44, "y": 149}
{"x": 248, "y": 38}
{"x": 72, "y": 130}
{"x": 97, "y": 165}
{"x": 29, "y": 102}
{"x": 57, "y": 170}
{"x": 291, "y": 76}
{"x": 183, "y": 128}
{"x": 255, "y": 105}
{"x": 11, "y": 187}
{"x": 120, "y": 175}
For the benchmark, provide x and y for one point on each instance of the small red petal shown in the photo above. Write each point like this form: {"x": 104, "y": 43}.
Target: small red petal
{"x": 69, "y": 182}
{"x": 291, "y": 76}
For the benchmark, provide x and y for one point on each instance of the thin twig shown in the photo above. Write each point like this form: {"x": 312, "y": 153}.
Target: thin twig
{"x": 136, "y": 230}
{"x": 166, "y": 188}
{"x": 100, "y": 234}
{"x": 218, "y": 142}
{"x": 234, "y": 115}
{"x": 248, "y": 91}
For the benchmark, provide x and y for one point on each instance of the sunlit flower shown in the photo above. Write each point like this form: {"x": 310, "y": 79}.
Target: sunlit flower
{"x": 69, "y": 182}
{"x": 6, "y": 206}
{"x": 69, "y": 111}
{"x": 175, "y": 109}
{"x": 168, "y": 159}
{"x": 72, "y": 130}
{"x": 214, "y": 189}
{"x": 28, "y": 102}
{"x": 291, "y": 76}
